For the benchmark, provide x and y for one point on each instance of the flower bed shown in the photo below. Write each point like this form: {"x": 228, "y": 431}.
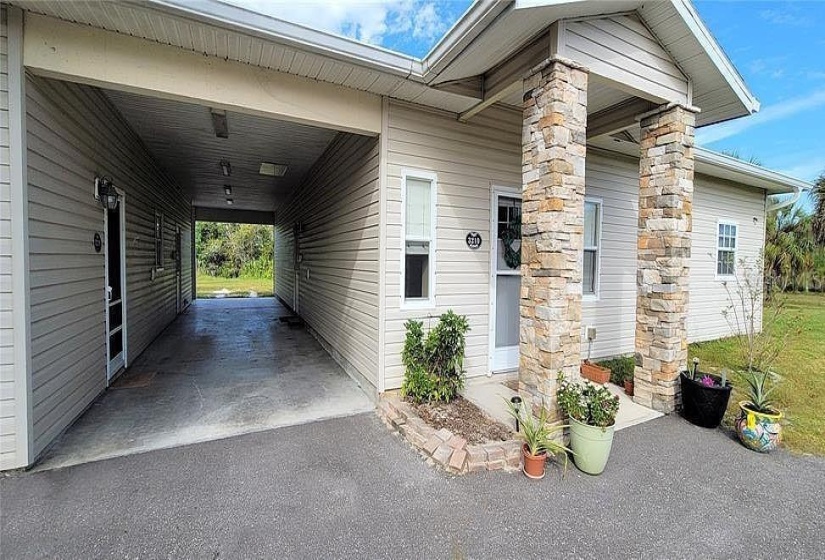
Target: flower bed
{"x": 442, "y": 447}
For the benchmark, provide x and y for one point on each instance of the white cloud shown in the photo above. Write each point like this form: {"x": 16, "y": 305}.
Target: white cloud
{"x": 785, "y": 17}
{"x": 769, "y": 114}
{"x": 369, "y": 21}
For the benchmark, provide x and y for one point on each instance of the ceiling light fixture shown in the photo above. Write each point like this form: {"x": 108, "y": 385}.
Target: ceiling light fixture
{"x": 226, "y": 168}
{"x": 219, "y": 123}
{"x": 230, "y": 202}
{"x": 273, "y": 169}
{"x": 227, "y": 189}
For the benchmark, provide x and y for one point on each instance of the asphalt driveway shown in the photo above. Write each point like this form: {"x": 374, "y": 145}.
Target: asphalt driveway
{"x": 347, "y": 488}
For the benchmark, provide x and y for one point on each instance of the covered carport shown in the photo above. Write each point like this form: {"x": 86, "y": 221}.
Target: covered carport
{"x": 176, "y": 137}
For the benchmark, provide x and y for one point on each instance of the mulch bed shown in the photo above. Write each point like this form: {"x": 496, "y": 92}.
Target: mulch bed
{"x": 464, "y": 419}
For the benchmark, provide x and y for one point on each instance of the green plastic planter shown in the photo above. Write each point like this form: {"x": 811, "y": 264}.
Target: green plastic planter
{"x": 591, "y": 446}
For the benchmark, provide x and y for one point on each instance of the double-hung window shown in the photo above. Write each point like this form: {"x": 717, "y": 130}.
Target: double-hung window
{"x": 418, "y": 194}
{"x": 726, "y": 249}
{"x": 592, "y": 243}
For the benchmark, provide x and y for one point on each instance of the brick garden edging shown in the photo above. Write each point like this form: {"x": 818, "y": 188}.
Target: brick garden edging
{"x": 442, "y": 447}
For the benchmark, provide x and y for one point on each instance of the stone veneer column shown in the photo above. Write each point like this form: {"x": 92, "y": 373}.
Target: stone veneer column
{"x": 553, "y": 156}
{"x": 665, "y": 224}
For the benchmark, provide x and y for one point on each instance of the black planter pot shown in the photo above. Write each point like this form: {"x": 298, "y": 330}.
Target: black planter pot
{"x": 701, "y": 405}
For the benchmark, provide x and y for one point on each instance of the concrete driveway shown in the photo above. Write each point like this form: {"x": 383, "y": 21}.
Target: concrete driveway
{"x": 223, "y": 368}
{"x": 347, "y": 488}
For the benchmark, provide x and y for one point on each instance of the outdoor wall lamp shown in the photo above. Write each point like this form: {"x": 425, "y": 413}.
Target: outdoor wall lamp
{"x": 105, "y": 193}
{"x": 517, "y": 407}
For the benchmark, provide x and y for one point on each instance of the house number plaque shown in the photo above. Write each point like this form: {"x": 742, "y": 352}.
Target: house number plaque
{"x": 474, "y": 240}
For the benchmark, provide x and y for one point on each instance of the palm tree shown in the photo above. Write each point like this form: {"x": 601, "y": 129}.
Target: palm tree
{"x": 818, "y": 196}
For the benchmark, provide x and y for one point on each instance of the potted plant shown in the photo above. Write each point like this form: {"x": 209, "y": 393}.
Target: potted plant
{"x": 622, "y": 369}
{"x": 595, "y": 372}
{"x": 592, "y": 412}
{"x": 704, "y": 396}
{"x": 537, "y": 436}
{"x": 759, "y": 424}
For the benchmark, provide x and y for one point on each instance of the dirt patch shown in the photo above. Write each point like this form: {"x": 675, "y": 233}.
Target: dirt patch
{"x": 464, "y": 419}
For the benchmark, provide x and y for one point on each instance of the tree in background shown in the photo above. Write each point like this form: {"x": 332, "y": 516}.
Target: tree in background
{"x": 234, "y": 250}
{"x": 818, "y": 196}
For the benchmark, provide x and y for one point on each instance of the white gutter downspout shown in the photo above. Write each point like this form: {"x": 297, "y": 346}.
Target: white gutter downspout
{"x": 785, "y": 203}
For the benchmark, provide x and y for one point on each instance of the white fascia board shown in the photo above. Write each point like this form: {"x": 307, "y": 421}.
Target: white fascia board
{"x": 722, "y": 166}
{"x": 470, "y": 25}
{"x": 714, "y": 51}
{"x": 221, "y": 14}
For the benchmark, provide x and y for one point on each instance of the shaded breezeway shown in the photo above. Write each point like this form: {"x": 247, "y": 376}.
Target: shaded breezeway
{"x": 223, "y": 368}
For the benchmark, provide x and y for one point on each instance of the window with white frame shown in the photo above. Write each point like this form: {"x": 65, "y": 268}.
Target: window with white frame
{"x": 726, "y": 249}
{"x": 592, "y": 242}
{"x": 158, "y": 241}
{"x": 419, "y": 234}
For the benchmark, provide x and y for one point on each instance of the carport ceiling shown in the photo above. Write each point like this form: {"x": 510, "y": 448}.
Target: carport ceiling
{"x": 182, "y": 139}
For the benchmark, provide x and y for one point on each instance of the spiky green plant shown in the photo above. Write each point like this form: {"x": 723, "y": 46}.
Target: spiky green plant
{"x": 760, "y": 386}
{"x": 537, "y": 433}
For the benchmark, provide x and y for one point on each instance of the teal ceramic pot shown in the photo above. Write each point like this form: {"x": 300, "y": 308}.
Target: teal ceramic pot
{"x": 591, "y": 446}
{"x": 758, "y": 431}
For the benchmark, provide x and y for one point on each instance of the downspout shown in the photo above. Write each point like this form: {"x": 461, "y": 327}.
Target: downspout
{"x": 785, "y": 203}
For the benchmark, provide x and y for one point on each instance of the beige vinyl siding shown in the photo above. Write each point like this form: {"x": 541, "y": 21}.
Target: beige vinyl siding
{"x": 615, "y": 181}
{"x": 622, "y": 49}
{"x": 468, "y": 160}
{"x": 74, "y": 134}
{"x": 338, "y": 208}
{"x": 8, "y": 388}
{"x": 713, "y": 200}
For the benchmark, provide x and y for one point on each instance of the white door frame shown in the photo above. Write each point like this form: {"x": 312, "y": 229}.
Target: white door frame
{"x": 496, "y": 192}
{"x": 114, "y": 366}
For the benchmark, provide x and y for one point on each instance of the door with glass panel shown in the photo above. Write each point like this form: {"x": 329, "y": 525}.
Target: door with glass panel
{"x": 506, "y": 279}
{"x": 115, "y": 248}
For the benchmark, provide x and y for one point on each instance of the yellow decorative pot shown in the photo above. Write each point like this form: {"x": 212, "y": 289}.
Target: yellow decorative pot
{"x": 759, "y": 431}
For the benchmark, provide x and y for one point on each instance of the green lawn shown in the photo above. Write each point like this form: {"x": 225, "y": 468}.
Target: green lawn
{"x": 213, "y": 286}
{"x": 801, "y": 395}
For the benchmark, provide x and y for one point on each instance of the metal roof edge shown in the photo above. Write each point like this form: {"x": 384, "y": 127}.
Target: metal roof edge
{"x": 717, "y": 55}
{"x": 749, "y": 173}
{"x": 224, "y": 14}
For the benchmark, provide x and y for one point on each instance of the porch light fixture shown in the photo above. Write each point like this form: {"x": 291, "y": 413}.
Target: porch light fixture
{"x": 226, "y": 168}
{"x": 517, "y": 407}
{"x": 227, "y": 189}
{"x": 105, "y": 193}
{"x": 219, "y": 123}
{"x": 273, "y": 169}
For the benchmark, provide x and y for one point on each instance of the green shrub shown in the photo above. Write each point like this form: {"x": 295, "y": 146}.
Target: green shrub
{"x": 434, "y": 365}
{"x": 621, "y": 368}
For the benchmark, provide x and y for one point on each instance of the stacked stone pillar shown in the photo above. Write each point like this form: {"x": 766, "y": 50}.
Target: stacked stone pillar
{"x": 553, "y": 157}
{"x": 665, "y": 224}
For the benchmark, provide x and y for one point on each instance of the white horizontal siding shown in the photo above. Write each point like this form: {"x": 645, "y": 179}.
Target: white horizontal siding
{"x": 622, "y": 49}
{"x": 74, "y": 134}
{"x": 468, "y": 159}
{"x": 8, "y": 388}
{"x": 337, "y": 206}
{"x": 714, "y": 200}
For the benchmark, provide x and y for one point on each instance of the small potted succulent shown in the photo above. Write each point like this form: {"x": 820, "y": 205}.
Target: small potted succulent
{"x": 536, "y": 433}
{"x": 592, "y": 411}
{"x": 704, "y": 396}
{"x": 758, "y": 424}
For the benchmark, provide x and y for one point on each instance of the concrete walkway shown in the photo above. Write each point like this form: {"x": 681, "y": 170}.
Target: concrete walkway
{"x": 225, "y": 367}
{"x": 347, "y": 488}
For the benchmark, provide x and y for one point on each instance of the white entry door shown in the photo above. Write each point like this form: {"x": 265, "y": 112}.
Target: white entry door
{"x": 505, "y": 279}
{"x": 115, "y": 249}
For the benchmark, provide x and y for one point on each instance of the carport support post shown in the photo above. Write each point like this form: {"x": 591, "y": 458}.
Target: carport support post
{"x": 664, "y": 237}
{"x": 553, "y": 157}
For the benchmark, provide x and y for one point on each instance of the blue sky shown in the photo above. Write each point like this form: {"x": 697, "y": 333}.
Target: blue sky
{"x": 778, "y": 47}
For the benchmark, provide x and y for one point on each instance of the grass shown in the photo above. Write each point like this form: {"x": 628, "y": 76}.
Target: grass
{"x": 801, "y": 394}
{"x": 212, "y": 286}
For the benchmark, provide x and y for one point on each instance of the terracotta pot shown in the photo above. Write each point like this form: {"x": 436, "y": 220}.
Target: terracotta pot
{"x": 628, "y": 387}
{"x": 533, "y": 465}
{"x": 596, "y": 374}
